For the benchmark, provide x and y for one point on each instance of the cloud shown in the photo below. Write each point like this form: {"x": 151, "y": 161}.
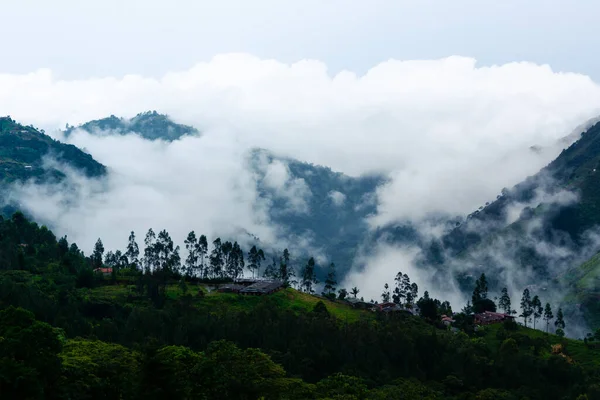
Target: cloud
{"x": 337, "y": 198}
{"x": 449, "y": 135}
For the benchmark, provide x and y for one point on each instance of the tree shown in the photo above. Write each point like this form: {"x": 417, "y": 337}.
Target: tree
{"x": 548, "y": 315}
{"x": 98, "y": 254}
{"x": 537, "y": 308}
{"x": 202, "y": 252}
{"x": 330, "y": 282}
{"x": 560, "y": 323}
{"x": 216, "y": 259}
{"x": 399, "y": 292}
{"x": 354, "y": 291}
{"x": 342, "y": 294}
{"x": 406, "y": 289}
{"x": 479, "y": 294}
{"x": 414, "y": 293}
{"x": 504, "y": 304}
{"x": 271, "y": 271}
{"x": 191, "y": 245}
{"x": 167, "y": 254}
{"x": 285, "y": 270}
{"x": 150, "y": 259}
{"x": 385, "y": 296}
{"x": 255, "y": 256}
{"x": 133, "y": 251}
{"x": 526, "y": 306}
{"x": 309, "y": 277}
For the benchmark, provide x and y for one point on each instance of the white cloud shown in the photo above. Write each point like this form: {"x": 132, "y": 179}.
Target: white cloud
{"x": 337, "y": 198}
{"x": 449, "y": 134}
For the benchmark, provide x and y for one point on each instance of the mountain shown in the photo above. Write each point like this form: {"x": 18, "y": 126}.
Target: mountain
{"x": 149, "y": 125}
{"x": 22, "y": 152}
{"x": 533, "y": 233}
{"x": 320, "y": 208}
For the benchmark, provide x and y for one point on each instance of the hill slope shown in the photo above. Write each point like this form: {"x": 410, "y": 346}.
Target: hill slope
{"x": 22, "y": 152}
{"x": 149, "y": 125}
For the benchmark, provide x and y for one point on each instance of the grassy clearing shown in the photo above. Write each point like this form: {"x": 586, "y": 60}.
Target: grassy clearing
{"x": 576, "y": 349}
{"x": 287, "y": 299}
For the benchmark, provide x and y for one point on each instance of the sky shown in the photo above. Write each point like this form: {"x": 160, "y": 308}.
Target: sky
{"x": 444, "y": 98}
{"x": 80, "y": 40}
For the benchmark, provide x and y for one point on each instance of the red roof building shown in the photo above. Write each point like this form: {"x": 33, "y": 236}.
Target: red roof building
{"x": 105, "y": 271}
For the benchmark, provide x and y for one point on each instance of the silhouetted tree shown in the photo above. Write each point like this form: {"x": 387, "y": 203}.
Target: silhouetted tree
{"x": 526, "y": 307}
{"x": 548, "y": 315}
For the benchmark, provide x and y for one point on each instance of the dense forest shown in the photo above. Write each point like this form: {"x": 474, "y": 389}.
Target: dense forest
{"x": 153, "y": 328}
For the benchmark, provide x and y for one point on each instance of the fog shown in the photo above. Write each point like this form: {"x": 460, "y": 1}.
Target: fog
{"x": 449, "y": 135}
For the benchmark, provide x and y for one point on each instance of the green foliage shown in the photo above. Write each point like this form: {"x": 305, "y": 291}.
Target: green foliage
{"x": 22, "y": 149}
{"x": 149, "y": 125}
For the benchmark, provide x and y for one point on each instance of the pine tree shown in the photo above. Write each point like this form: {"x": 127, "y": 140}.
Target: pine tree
{"x": 537, "y": 308}
{"x": 483, "y": 286}
{"x": 526, "y": 306}
{"x": 98, "y": 254}
{"x": 354, "y": 291}
{"x": 560, "y": 323}
{"x": 385, "y": 296}
{"x": 330, "y": 282}
{"x": 548, "y": 315}
{"x": 505, "y": 303}
{"x": 133, "y": 251}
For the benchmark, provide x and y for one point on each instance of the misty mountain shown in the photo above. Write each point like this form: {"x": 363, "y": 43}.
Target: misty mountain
{"x": 149, "y": 125}
{"x": 316, "y": 207}
{"x": 536, "y": 233}
{"x": 28, "y": 154}
{"x": 23, "y": 150}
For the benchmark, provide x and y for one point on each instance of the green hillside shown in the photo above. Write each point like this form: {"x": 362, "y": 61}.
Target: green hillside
{"x": 67, "y": 332}
{"x": 583, "y": 289}
{"x": 22, "y": 150}
{"x": 149, "y": 125}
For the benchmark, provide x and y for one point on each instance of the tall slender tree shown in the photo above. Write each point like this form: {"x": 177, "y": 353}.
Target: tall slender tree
{"x": 504, "y": 303}
{"x": 98, "y": 254}
{"x": 133, "y": 251}
{"x": 548, "y": 315}
{"x": 309, "y": 278}
{"x": 354, "y": 291}
{"x": 385, "y": 295}
{"x": 216, "y": 259}
{"x": 526, "y": 306}
{"x": 330, "y": 282}
{"x": 399, "y": 293}
{"x": 150, "y": 256}
{"x": 191, "y": 245}
{"x": 202, "y": 251}
{"x": 537, "y": 309}
{"x": 560, "y": 323}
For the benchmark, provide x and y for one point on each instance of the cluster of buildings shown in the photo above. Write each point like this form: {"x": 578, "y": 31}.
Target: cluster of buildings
{"x": 252, "y": 287}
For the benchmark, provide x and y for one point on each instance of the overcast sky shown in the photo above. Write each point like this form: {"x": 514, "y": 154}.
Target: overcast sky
{"x": 82, "y": 39}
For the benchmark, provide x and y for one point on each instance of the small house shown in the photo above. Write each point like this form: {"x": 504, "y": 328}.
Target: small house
{"x": 489, "y": 317}
{"x": 230, "y": 288}
{"x": 262, "y": 287}
{"x": 104, "y": 271}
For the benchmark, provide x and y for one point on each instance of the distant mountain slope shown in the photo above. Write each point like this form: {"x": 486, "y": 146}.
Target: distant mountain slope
{"x": 149, "y": 125}
{"x": 535, "y": 232}
{"x": 22, "y": 149}
{"x": 583, "y": 289}
{"x": 316, "y": 206}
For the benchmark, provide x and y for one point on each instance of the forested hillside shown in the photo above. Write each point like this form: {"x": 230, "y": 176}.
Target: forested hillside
{"x": 148, "y": 329}
{"x": 149, "y": 125}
